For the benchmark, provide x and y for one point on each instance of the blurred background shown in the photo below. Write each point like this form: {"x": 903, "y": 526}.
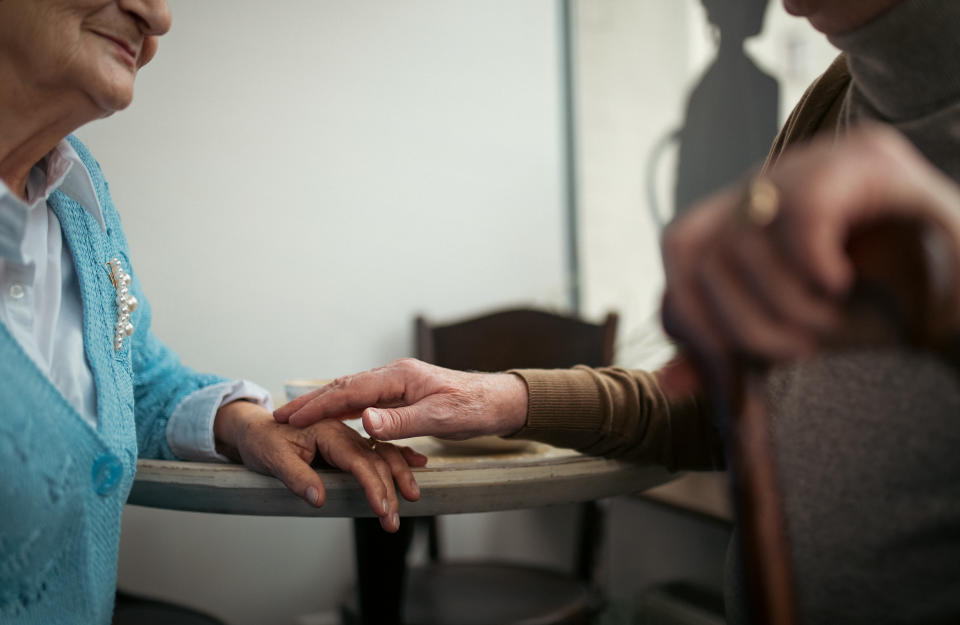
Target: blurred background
{"x": 299, "y": 179}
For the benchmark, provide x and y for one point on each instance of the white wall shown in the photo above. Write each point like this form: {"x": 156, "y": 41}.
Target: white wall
{"x": 631, "y": 72}
{"x": 297, "y": 180}
{"x": 635, "y": 63}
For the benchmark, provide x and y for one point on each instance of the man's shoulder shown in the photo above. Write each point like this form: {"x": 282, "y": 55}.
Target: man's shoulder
{"x": 818, "y": 109}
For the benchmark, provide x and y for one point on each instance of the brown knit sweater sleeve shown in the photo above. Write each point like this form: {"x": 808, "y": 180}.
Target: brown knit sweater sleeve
{"x": 618, "y": 413}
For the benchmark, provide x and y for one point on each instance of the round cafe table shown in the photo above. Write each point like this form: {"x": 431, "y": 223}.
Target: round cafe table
{"x": 456, "y": 480}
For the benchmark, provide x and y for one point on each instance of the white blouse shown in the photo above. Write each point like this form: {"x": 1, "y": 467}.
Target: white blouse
{"x": 40, "y": 303}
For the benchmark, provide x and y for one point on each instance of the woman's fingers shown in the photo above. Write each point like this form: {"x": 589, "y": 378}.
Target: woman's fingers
{"x": 413, "y": 458}
{"x": 390, "y": 521}
{"x": 400, "y": 469}
{"x": 268, "y": 447}
{"x": 377, "y": 486}
{"x": 297, "y": 475}
{"x": 380, "y": 468}
{"x": 286, "y": 452}
{"x": 359, "y": 460}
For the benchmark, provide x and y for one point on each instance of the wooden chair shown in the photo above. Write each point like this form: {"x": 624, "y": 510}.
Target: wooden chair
{"x": 517, "y": 339}
{"x": 492, "y": 592}
{"x": 904, "y": 295}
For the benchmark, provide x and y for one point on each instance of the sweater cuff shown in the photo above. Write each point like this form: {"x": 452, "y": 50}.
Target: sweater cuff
{"x": 190, "y": 428}
{"x": 562, "y": 405}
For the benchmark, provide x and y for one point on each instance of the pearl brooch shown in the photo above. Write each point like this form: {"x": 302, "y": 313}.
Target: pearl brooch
{"x": 126, "y": 303}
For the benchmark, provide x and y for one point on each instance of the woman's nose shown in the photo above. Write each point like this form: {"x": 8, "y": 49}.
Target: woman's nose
{"x": 153, "y": 16}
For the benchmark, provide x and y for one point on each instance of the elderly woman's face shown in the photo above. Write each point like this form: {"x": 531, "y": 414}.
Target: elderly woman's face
{"x": 91, "y": 46}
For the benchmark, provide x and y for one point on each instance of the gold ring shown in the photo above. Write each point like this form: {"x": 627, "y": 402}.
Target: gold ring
{"x": 373, "y": 443}
{"x": 760, "y": 203}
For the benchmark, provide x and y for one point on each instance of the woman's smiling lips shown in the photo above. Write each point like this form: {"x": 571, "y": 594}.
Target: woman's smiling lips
{"x": 128, "y": 52}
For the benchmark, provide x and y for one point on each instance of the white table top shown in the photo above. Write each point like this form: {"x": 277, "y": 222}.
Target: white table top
{"x": 451, "y": 483}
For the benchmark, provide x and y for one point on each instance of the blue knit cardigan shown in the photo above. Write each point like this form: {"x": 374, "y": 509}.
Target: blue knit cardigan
{"x": 62, "y": 482}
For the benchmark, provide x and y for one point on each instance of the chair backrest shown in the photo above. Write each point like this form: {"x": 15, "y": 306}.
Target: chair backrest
{"x": 516, "y": 339}
{"x": 523, "y": 339}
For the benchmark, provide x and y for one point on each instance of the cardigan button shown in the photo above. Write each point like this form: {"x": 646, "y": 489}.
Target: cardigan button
{"x": 106, "y": 473}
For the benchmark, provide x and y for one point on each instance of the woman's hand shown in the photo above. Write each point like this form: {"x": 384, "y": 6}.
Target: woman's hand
{"x": 247, "y": 433}
{"x": 412, "y": 398}
{"x": 740, "y": 284}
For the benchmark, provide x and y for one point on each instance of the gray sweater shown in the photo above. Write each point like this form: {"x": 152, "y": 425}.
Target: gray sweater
{"x": 868, "y": 442}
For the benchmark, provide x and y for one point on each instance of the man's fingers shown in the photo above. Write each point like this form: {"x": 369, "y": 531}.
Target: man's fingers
{"x": 685, "y": 243}
{"x": 744, "y": 319}
{"x": 389, "y": 424}
{"x": 332, "y": 402}
{"x": 685, "y": 318}
{"x": 328, "y": 402}
{"x": 830, "y": 189}
{"x": 785, "y": 294}
{"x": 282, "y": 414}
{"x": 776, "y": 290}
{"x": 385, "y": 386}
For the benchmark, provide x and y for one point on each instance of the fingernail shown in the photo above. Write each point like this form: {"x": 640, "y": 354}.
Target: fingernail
{"x": 375, "y": 418}
{"x": 416, "y": 489}
{"x": 395, "y": 521}
{"x": 383, "y": 506}
{"x": 313, "y": 495}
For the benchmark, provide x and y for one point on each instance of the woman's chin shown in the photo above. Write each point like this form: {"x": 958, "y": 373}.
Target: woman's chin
{"x": 111, "y": 88}
{"x": 111, "y": 100}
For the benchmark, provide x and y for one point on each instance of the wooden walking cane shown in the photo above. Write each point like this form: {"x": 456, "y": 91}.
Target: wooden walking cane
{"x": 904, "y": 294}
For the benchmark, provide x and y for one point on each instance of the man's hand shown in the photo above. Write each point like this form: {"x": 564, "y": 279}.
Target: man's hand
{"x": 776, "y": 291}
{"x": 412, "y": 398}
{"x": 247, "y": 433}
